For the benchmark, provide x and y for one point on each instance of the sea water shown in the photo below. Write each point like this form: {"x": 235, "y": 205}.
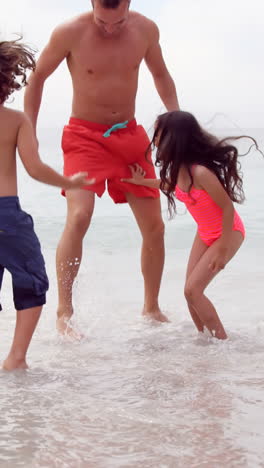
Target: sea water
{"x": 132, "y": 393}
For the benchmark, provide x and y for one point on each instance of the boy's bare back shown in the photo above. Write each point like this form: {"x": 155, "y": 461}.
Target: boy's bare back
{"x": 10, "y": 123}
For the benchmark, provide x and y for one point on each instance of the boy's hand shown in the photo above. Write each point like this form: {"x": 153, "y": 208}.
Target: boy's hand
{"x": 138, "y": 174}
{"x": 79, "y": 180}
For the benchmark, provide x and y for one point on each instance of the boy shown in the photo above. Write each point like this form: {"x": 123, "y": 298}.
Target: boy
{"x": 20, "y": 251}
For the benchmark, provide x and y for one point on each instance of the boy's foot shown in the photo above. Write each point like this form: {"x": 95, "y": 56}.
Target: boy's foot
{"x": 11, "y": 363}
{"x": 155, "y": 315}
{"x": 66, "y": 327}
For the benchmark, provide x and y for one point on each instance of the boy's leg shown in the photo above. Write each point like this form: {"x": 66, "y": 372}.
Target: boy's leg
{"x": 1, "y": 279}
{"x": 199, "y": 279}
{"x": 147, "y": 212}
{"x": 80, "y": 205}
{"x": 25, "y": 326}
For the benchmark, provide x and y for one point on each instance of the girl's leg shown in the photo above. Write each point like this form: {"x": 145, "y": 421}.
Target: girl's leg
{"x": 199, "y": 279}
{"x": 25, "y": 326}
{"x": 198, "y": 249}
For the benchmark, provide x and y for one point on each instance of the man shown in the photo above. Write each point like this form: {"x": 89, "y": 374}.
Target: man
{"x": 104, "y": 49}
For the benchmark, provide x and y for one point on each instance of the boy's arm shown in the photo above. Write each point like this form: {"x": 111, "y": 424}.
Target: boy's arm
{"x": 28, "y": 151}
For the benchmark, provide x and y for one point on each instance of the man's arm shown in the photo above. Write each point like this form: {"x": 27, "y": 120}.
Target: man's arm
{"x": 156, "y": 65}
{"x": 53, "y": 54}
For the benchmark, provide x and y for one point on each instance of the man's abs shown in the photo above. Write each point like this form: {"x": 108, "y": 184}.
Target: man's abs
{"x": 104, "y": 102}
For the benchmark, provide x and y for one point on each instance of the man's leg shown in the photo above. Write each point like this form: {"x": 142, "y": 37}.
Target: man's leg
{"x": 147, "y": 212}
{"x": 80, "y": 205}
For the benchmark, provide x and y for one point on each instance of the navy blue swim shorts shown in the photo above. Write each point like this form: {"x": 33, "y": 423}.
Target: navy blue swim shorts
{"x": 20, "y": 254}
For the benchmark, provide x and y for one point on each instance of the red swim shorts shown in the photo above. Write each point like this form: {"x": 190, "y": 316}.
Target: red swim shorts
{"x": 85, "y": 148}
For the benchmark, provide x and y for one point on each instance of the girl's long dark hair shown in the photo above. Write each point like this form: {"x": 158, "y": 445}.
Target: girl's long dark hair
{"x": 183, "y": 142}
{"x": 15, "y": 59}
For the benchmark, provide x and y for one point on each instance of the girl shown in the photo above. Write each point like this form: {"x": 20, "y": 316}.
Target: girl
{"x": 20, "y": 251}
{"x": 202, "y": 172}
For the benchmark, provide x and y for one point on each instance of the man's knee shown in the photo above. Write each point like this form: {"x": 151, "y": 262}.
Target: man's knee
{"x": 79, "y": 219}
{"x": 155, "y": 232}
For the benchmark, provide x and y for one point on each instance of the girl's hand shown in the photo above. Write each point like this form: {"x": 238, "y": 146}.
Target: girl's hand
{"x": 138, "y": 174}
{"x": 219, "y": 259}
{"x": 79, "y": 180}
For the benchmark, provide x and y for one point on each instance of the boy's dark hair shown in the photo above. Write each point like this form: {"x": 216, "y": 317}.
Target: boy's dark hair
{"x": 15, "y": 59}
{"x": 110, "y": 3}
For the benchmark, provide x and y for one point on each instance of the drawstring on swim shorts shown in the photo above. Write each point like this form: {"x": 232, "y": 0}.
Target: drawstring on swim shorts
{"x": 114, "y": 128}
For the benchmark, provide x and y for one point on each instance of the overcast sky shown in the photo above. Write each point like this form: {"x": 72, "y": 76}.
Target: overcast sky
{"x": 213, "y": 49}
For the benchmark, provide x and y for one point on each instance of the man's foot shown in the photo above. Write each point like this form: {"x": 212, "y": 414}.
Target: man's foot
{"x": 11, "y": 363}
{"x": 155, "y": 315}
{"x": 66, "y": 327}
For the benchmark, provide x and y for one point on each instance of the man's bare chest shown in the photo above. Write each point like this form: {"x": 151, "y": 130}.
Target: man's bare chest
{"x": 98, "y": 57}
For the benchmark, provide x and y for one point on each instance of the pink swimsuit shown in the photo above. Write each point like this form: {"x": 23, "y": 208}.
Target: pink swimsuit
{"x": 207, "y": 214}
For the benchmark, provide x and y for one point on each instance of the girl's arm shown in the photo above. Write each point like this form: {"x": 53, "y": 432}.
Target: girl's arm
{"x": 138, "y": 178}
{"x": 28, "y": 151}
{"x": 208, "y": 181}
